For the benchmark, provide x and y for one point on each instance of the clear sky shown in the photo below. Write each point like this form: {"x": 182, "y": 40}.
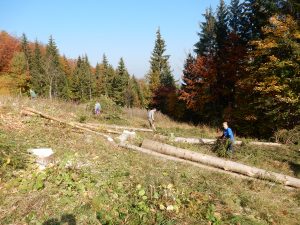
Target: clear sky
{"x": 118, "y": 28}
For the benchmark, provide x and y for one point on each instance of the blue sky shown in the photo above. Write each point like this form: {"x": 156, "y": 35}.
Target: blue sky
{"x": 118, "y": 28}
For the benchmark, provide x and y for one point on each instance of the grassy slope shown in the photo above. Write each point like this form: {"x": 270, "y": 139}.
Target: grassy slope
{"x": 95, "y": 183}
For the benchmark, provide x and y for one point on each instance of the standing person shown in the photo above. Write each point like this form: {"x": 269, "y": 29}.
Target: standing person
{"x": 32, "y": 94}
{"x": 228, "y": 135}
{"x": 151, "y": 118}
{"x": 97, "y": 108}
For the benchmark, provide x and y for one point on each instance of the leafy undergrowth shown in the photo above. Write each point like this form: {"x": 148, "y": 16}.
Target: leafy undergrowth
{"x": 92, "y": 182}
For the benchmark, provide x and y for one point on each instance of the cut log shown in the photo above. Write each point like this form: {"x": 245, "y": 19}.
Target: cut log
{"x": 119, "y": 127}
{"x": 221, "y": 163}
{"x": 172, "y": 158}
{"x": 212, "y": 141}
{"x": 68, "y": 123}
{"x": 97, "y": 128}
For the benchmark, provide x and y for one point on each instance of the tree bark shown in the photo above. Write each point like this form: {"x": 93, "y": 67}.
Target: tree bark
{"x": 99, "y": 128}
{"x": 221, "y": 163}
{"x": 172, "y": 158}
{"x": 212, "y": 141}
{"x": 119, "y": 127}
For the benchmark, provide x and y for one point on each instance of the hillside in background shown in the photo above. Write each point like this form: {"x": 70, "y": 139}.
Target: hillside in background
{"x": 94, "y": 182}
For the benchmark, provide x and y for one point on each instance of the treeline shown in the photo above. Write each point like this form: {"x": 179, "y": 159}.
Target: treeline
{"x": 244, "y": 69}
{"x": 25, "y": 65}
{"x": 247, "y": 67}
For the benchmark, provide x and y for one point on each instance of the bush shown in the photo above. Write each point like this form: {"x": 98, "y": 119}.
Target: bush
{"x": 107, "y": 105}
{"x": 11, "y": 158}
{"x": 288, "y": 136}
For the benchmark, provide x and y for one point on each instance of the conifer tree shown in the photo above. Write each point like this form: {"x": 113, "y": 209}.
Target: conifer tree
{"x": 120, "y": 83}
{"x": 160, "y": 72}
{"x": 54, "y": 76}
{"x": 235, "y": 15}
{"x": 25, "y": 48}
{"x": 221, "y": 26}
{"x": 37, "y": 79}
{"x": 104, "y": 74}
{"x": 207, "y": 37}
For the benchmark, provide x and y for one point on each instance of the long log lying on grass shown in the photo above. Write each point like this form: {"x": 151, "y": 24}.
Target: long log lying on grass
{"x": 67, "y": 123}
{"x": 212, "y": 141}
{"x": 97, "y": 128}
{"x": 119, "y": 127}
{"x": 221, "y": 163}
{"x": 172, "y": 158}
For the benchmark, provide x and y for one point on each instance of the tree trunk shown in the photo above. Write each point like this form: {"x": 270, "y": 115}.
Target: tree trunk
{"x": 212, "y": 141}
{"x": 119, "y": 127}
{"x": 172, "y": 158}
{"x": 50, "y": 90}
{"x": 221, "y": 163}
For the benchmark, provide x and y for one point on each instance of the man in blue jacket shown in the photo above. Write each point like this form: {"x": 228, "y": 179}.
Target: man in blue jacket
{"x": 228, "y": 134}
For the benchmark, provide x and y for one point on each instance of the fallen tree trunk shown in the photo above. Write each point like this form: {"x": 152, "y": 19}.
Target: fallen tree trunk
{"x": 172, "y": 158}
{"x": 213, "y": 141}
{"x": 65, "y": 122}
{"x": 221, "y": 163}
{"x": 97, "y": 128}
{"x": 120, "y": 127}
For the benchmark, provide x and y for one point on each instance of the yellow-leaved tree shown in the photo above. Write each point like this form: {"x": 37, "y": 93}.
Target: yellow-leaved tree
{"x": 275, "y": 74}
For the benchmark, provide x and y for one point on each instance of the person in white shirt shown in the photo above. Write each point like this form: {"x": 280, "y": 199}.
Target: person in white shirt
{"x": 97, "y": 108}
{"x": 151, "y": 118}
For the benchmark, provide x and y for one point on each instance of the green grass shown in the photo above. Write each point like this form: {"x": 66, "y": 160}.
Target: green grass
{"x": 95, "y": 183}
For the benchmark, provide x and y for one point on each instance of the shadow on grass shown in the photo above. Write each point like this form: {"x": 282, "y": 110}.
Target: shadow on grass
{"x": 296, "y": 168}
{"x": 68, "y": 219}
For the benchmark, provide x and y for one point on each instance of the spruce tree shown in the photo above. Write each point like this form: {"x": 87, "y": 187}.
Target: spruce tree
{"x": 83, "y": 81}
{"x": 221, "y": 26}
{"x": 235, "y": 16}
{"x": 37, "y": 80}
{"x": 120, "y": 83}
{"x": 54, "y": 76}
{"x": 160, "y": 72}
{"x": 25, "y": 48}
{"x": 207, "y": 37}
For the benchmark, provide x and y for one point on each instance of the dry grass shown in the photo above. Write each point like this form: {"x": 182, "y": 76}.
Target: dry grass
{"x": 102, "y": 183}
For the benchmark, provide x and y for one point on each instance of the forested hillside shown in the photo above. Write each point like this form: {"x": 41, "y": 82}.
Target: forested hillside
{"x": 244, "y": 69}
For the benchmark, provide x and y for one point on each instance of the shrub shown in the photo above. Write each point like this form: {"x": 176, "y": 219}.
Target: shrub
{"x": 288, "y": 136}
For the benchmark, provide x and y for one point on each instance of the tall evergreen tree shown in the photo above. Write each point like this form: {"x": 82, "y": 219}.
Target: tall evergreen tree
{"x": 235, "y": 16}
{"x": 160, "y": 72}
{"x": 54, "y": 76}
{"x": 256, "y": 15}
{"x": 90, "y": 77}
{"x": 25, "y": 48}
{"x": 221, "y": 26}
{"x": 104, "y": 75}
{"x": 207, "y": 37}
{"x": 120, "y": 83}
{"x": 37, "y": 80}
{"x": 83, "y": 81}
